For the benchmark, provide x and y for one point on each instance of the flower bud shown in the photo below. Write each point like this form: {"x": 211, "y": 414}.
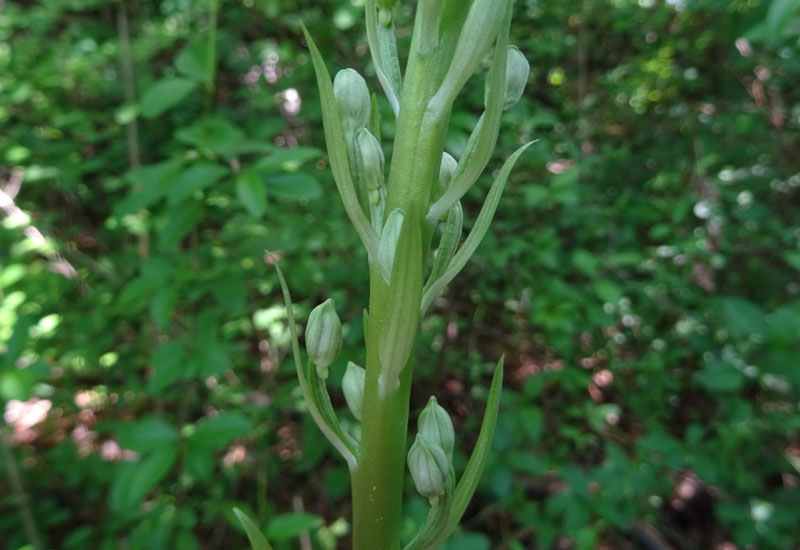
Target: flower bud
{"x": 352, "y": 98}
{"x": 436, "y": 427}
{"x": 429, "y": 468}
{"x": 517, "y": 71}
{"x": 447, "y": 168}
{"x": 372, "y": 156}
{"x": 353, "y": 388}
{"x": 323, "y": 336}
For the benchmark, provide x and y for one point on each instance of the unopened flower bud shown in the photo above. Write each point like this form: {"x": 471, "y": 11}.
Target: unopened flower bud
{"x": 352, "y": 98}
{"x": 372, "y": 156}
{"x": 429, "y": 468}
{"x": 323, "y": 336}
{"x": 436, "y": 427}
{"x": 517, "y": 71}
{"x": 353, "y": 388}
{"x": 447, "y": 168}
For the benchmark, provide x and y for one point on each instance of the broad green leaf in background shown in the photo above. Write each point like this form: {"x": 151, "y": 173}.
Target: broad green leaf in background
{"x": 296, "y": 185}
{"x": 216, "y": 431}
{"x": 252, "y": 193}
{"x": 133, "y": 480}
{"x": 164, "y": 95}
{"x": 194, "y": 178}
{"x": 146, "y": 435}
{"x": 193, "y": 60}
{"x": 215, "y": 134}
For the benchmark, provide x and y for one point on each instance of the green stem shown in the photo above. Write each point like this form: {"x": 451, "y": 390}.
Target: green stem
{"x": 377, "y": 481}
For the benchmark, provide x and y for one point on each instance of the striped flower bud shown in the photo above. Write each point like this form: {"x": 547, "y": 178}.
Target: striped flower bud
{"x": 436, "y": 427}
{"x": 352, "y": 98}
{"x": 517, "y": 71}
{"x": 353, "y": 388}
{"x": 323, "y": 336}
{"x": 447, "y": 168}
{"x": 429, "y": 467}
{"x": 372, "y": 156}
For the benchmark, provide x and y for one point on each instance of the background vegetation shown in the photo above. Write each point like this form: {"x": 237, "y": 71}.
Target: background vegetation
{"x": 641, "y": 278}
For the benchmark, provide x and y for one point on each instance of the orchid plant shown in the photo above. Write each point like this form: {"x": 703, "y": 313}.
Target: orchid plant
{"x": 397, "y": 218}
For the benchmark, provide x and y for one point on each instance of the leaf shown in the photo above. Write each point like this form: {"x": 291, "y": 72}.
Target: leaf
{"x": 337, "y": 150}
{"x": 163, "y": 95}
{"x": 163, "y": 304}
{"x": 741, "y": 317}
{"x": 476, "y": 235}
{"x": 792, "y": 258}
{"x": 448, "y": 244}
{"x": 147, "y": 435}
{"x": 484, "y": 137}
{"x": 288, "y": 526}
{"x": 150, "y": 183}
{"x": 252, "y": 193}
{"x": 383, "y": 46}
{"x": 387, "y": 246}
{"x": 472, "y": 473}
{"x": 133, "y": 480}
{"x": 215, "y": 432}
{"x": 194, "y": 178}
{"x": 179, "y": 221}
{"x": 331, "y": 430}
{"x": 215, "y": 134}
{"x": 254, "y": 535}
{"x": 719, "y": 377}
{"x": 169, "y": 363}
{"x": 779, "y": 14}
{"x": 288, "y": 159}
{"x": 297, "y": 185}
{"x": 193, "y": 61}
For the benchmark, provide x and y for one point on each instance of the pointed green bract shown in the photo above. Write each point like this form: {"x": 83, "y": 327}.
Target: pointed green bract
{"x": 484, "y": 137}
{"x": 476, "y": 235}
{"x": 337, "y": 151}
{"x": 328, "y": 425}
{"x": 254, "y": 535}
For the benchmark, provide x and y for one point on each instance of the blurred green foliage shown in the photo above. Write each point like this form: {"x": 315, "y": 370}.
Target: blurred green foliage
{"x": 641, "y": 277}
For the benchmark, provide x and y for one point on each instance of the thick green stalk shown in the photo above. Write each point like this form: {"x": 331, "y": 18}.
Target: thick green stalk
{"x": 377, "y": 482}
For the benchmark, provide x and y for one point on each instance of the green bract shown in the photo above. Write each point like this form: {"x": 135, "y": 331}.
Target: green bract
{"x": 353, "y": 388}
{"x": 397, "y": 217}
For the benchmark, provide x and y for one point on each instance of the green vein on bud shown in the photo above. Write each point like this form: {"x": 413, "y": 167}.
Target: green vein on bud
{"x": 435, "y": 426}
{"x": 323, "y": 336}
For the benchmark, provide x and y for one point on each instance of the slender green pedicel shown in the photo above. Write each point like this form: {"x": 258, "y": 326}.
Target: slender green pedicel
{"x": 396, "y": 219}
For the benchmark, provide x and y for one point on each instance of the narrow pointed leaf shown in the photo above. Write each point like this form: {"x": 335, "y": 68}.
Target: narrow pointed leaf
{"x": 383, "y": 45}
{"x": 387, "y": 248}
{"x": 327, "y": 424}
{"x": 447, "y": 244}
{"x": 254, "y": 535}
{"x": 337, "y": 151}
{"x": 477, "y": 462}
{"x": 483, "y": 139}
{"x": 476, "y": 235}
